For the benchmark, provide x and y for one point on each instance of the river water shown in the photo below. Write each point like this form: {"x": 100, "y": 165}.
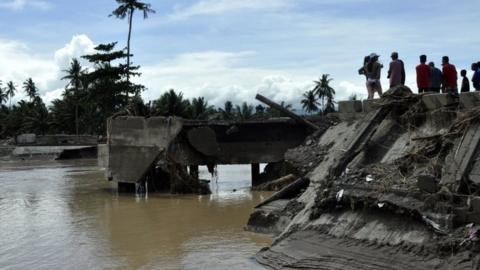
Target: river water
{"x": 64, "y": 215}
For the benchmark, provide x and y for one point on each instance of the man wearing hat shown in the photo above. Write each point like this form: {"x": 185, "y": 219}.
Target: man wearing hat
{"x": 396, "y": 72}
{"x": 373, "y": 70}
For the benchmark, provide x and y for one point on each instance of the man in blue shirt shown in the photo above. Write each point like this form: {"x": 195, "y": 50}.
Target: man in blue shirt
{"x": 476, "y": 76}
{"x": 435, "y": 78}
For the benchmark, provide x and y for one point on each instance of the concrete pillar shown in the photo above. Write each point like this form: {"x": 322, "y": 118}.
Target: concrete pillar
{"x": 255, "y": 174}
{"x": 193, "y": 171}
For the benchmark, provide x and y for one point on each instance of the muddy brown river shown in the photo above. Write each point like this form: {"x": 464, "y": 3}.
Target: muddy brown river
{"x": 63, "y": 215}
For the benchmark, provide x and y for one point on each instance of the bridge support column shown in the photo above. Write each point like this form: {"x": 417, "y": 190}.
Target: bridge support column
{"x": 194, "y": 171}
{"x": 255, "y": 174}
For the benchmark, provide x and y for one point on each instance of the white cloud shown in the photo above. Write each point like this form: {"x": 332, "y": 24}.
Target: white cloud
{"x": 214, "y": 7}
{"x": 21, "y": 4}
{"x": 19, "y": 62}
{"x": 221, "y": 76}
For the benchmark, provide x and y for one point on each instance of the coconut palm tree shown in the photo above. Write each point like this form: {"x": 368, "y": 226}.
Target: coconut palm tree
{"x": 244, "y": 112}
{"x": 172, "y": 104}
{"x": 11, "y": 89}
{"x": 30, "y": 88}
{"x": 126, "y": 9}
{"x": 227, "y": 112}
{"x": 323, "y": 89}
{"x": 3, "y": 94}
{"x": 309, "y": 102}
{"x": 74, "y": 86}
{"x": 200, "y": 109}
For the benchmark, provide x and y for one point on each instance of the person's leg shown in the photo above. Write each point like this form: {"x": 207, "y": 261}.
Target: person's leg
{"x": 378, "y": 87}
{"x": 369, "y": 90}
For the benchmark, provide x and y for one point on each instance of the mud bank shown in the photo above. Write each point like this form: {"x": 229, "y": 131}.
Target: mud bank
{"x": 392, "y": 188}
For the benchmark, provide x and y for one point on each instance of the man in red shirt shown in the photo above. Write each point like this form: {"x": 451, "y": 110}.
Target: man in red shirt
{"x": 449, "y": 76}
{"x": 423, "y": 75}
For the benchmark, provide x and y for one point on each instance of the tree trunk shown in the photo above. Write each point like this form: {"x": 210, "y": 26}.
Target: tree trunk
{"x": 128, "y": 50}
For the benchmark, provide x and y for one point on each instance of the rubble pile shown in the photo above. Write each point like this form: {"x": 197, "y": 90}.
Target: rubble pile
{"x": 401, "y": 179}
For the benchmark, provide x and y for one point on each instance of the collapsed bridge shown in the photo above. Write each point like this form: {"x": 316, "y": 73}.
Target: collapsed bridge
{"x": 135, "y": 144}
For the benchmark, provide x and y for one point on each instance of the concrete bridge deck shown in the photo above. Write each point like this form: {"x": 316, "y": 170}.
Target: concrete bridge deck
{"x": 135, "y": 143}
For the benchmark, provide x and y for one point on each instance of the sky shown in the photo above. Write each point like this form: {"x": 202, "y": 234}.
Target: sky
{"x": 234, "y": 49}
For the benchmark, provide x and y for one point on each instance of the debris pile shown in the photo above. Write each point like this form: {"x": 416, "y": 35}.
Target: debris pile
{"x": 397, "y": 180}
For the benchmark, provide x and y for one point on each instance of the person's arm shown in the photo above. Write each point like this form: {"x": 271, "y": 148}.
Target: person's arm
{"x": 389, "y": 70}
{"x": 403, "y": 73}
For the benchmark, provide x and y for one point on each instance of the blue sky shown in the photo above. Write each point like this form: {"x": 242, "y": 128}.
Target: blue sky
{"x": 233, "y": 49}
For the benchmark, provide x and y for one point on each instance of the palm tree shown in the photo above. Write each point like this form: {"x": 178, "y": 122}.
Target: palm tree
{"x": 3, "y": 94}
{"x": 74, "y": 75}
{"x": 172, "y": 104}
{"x": 30, "y": 88}
{"x": 125, "y": 9}
{"x": 310, "y": 103}
{"x": 11, "y": 89}
{"x": 227, "y": 112}
{"x": 245, "y": 111}
{"x": 323, "y": 89}
{"x": 200, "y": 109}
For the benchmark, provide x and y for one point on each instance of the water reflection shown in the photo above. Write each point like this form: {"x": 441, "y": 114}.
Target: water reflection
{"x": 63, "y": 215}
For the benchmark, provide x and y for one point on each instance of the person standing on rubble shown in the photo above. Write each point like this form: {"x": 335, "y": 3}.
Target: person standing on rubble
{"x": 396, "y": 72}
{"x": 476, "y": 76}
{"x": 435, "y": 78}
{"x": 373, "y": 70}
{"x": 423, "y": 75}
{"x": 449, "y": 77}
{"x": 465, "y": 83}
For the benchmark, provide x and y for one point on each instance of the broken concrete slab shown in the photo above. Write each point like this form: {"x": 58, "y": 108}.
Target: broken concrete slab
{"x": 427, "y": 183}
{"x": 351, "y": 106}
{"x": 204, "y": 140}
{"x": 370, "y": 105}
{"x": 437, "y": 101}
{"x": 458, "y": 162}
{"x": 469, "y": 100}
{"x": 475, "y": 203}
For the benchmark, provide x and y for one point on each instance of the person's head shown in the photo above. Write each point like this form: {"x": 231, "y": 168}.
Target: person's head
{"x": 431, "y": 64}
{"x": 463, "y": 73}
{"x": 366, "y": 59}
{"x": 423, "y": 58}
{"x": 394, "y": 55}
{"x": 474, "y": 66}
{"x": 445, "y": 60}
{"x": 373, "y": 57}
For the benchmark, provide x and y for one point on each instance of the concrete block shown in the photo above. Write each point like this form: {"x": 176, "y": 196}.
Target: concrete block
{"x": 370, "y": 105}
{"x": 475, "y": 203}
{"x": 473, "y": 217}
{"x": 23, "y": 139}
{"x": 461, "y": 214}
{"x": 427, "y": 183}
{"x": 437, "y": 101}
{"x": 469, "y": 100}
{"x": 351, "y": 106}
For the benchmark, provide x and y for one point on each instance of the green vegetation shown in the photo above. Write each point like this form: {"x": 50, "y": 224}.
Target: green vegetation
{"x": 322, "y": 92}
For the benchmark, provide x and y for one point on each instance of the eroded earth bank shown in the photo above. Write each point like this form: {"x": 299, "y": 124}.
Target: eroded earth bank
{"x": 394, "y": 187}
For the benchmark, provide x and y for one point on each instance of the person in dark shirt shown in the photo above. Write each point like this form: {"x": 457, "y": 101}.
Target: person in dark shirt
{"x": 435, "y": 78}
{"x": 449, "y": 77}
{"x": 476, "y": 76}
{"x": 423, "y": 75}
{"x": 465, "y": 82}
